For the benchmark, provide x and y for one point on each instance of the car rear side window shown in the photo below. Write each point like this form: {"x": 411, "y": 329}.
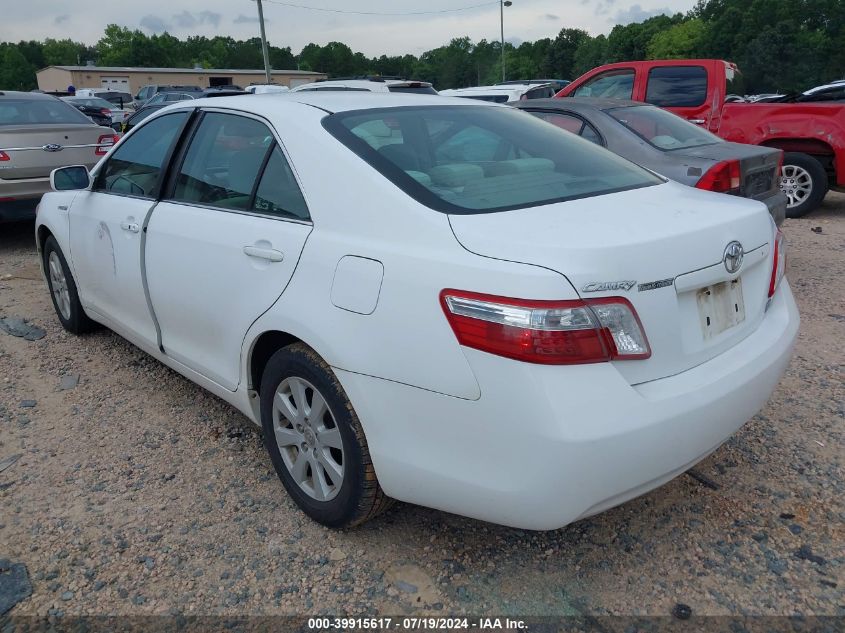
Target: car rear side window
{"x": 479, "y": 159}
{"x": 677, "y": 86}
{"x": 570, "y": 123}
{"x": 223, "y": 161}
{"x": 39, "y": 111}
{"x": 278, "y": 193}
{"x": 612, "y": 84}
{"x": 135, "y": 167}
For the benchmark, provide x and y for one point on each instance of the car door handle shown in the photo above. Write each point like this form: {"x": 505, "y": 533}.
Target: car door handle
{"x": 697, "y": 121}
{"x": 270, "y": 254}
{"x": 130, "y": 226}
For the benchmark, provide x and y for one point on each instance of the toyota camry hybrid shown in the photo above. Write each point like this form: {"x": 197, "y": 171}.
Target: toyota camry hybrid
{"x": 434, "y": 300}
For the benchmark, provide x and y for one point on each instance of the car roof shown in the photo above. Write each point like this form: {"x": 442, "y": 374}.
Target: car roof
{"x": 274, "y": 104}
{"x": 580, "y": 103}
{"x": 17, "y": 94}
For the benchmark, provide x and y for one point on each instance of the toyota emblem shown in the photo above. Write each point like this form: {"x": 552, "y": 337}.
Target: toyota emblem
{"x": 733, "y": 257}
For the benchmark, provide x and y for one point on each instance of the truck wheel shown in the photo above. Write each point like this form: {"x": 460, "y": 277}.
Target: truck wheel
{"x": 804, "y": 181}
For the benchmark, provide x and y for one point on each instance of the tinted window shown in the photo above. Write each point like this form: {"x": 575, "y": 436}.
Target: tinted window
{"x": 543, "y": 92}
{"x": 39, "y": 111}
{"x": 571, "y": 123}
{"x": 491, "y": 98}
{"x": 663, "y": 129}
{"x": 414, "y": 89}
{"x": 278, "y": 192}
{"x": 613, "y": 84}
{"x": 135, "y": 167}
{"x": 677, "y": 86}
{"x": 223, "y": 162}
{"x": 476, "y": 159}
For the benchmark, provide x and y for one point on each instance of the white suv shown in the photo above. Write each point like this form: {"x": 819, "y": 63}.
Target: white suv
{"x": 370, "y": 84}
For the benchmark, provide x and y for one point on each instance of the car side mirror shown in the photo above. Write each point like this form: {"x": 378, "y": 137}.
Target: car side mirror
{"x": 71, "y": 178}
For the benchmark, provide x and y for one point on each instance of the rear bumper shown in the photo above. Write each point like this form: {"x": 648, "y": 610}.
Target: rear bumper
{"x": 776, "y": 203}
{"x": 29, "y": 189}
{"x": 545, "y": 446}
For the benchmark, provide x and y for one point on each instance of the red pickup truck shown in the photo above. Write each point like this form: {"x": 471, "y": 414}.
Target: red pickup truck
{"x": 812, "y": 135}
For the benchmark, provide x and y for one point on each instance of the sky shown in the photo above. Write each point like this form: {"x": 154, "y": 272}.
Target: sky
{"x": 84, "y": 20}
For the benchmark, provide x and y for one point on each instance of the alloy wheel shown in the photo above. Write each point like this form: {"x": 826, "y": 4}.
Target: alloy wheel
{"x": 58, "y": 285}
{"x": 308, "y": 438}
{"x": 796, "y": 183}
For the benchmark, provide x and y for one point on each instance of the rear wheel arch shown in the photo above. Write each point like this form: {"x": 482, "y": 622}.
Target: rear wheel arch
{"x": 262, "y": 349}
{"x": 820, "y": 150}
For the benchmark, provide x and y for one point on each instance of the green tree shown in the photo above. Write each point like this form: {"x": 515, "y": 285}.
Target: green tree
{"x": 591, "y": 53}
{"x": 16, "y": 73}
{"x": 64, "y": 52}
{"x": 560, "y": 56}
{"x": 681, "y": 41}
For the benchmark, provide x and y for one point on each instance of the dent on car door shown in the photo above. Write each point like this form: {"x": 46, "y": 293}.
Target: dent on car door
{"x": 106, "y": 225}
{"x": 223, "y": 245}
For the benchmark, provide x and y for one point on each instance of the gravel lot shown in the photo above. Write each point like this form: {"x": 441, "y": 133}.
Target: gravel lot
{"x": 136, "y": 492}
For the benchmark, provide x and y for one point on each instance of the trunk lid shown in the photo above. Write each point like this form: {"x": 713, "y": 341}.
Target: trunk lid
{"x": 758, "y": 165}
{"x": 670, "y": 240}
{"x": 25, "y": 144}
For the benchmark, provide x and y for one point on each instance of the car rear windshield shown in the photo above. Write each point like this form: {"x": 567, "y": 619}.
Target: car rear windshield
{"x": 39, "y": 111}
{"x": 417, "y": 89}
{"x": 491, "y": 98}
{"x": 480, "y": 159}
{"x": 662, "y": 129}
{"x": 94, "y": 102}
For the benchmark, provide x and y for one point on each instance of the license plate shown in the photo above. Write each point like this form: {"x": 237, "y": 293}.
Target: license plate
{"x": 720, "y": 307}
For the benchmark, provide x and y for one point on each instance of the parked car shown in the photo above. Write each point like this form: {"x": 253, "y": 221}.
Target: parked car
{"x": 116, "y": 115}
{"x": 100, "y": 116}
{"x": 37, "y": 134}
{"x": 367, "y": 302}
{"x": 171, "y": 97}
{"x": 368, "y": 84}
{"x": 141, "y": 114}
{"x": 123, "y": 100}
{"x": 671, "y": 146}
{"x": 812, "y": 135}
{"x": 149, "y": 91}
{"x": 260, "y": 89}
{"x": 557, "y": 84}
{"x": 503, "y": 93}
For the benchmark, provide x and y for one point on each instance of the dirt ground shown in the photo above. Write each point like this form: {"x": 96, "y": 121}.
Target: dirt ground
{"x": 136, "y": 492}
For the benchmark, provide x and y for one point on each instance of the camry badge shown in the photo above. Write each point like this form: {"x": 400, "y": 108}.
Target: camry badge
{"x": 52, "y": 147}
{"x": 602, "y": 286}
{"x": 733, "y": 257}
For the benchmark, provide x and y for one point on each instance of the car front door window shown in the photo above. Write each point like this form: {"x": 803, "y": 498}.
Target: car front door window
{"x": 135, "y": 167}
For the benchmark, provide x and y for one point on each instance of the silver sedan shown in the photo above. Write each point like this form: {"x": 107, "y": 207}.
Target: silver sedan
{"x": 668, "y": 145}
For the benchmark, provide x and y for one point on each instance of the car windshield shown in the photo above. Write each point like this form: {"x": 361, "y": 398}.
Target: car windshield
{"x": 39, "y": 111}
{"x": 662, "y": 129}
{"x": 479, "y": 159}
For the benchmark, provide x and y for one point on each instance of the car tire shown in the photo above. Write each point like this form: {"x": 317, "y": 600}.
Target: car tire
{"x": 804, "y": 181}
{"x": 63, "y": 290}
{"x": 294, "y": 433}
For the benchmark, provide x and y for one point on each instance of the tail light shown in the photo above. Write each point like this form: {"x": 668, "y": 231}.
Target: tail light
{"x": 724, "y": 177}
{"x": 4, "y": 157}
{"x": 105, "y": 111}
{"x": 547, "y": 332}
{"x": 105, "y": 143}
{"x": 778, "y": 263}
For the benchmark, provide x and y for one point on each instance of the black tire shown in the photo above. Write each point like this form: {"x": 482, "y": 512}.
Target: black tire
{"x": 360, "y": 497}
{"x": 818, "y": 182}
{"x": 77, "y": 322}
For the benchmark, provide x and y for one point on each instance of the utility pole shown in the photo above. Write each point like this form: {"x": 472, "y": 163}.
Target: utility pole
{"x": 264, "y": 43}
{"x": 502, "y": 5}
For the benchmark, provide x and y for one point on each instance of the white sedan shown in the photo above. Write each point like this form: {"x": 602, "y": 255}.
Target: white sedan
{"x": 434, "y": 300}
